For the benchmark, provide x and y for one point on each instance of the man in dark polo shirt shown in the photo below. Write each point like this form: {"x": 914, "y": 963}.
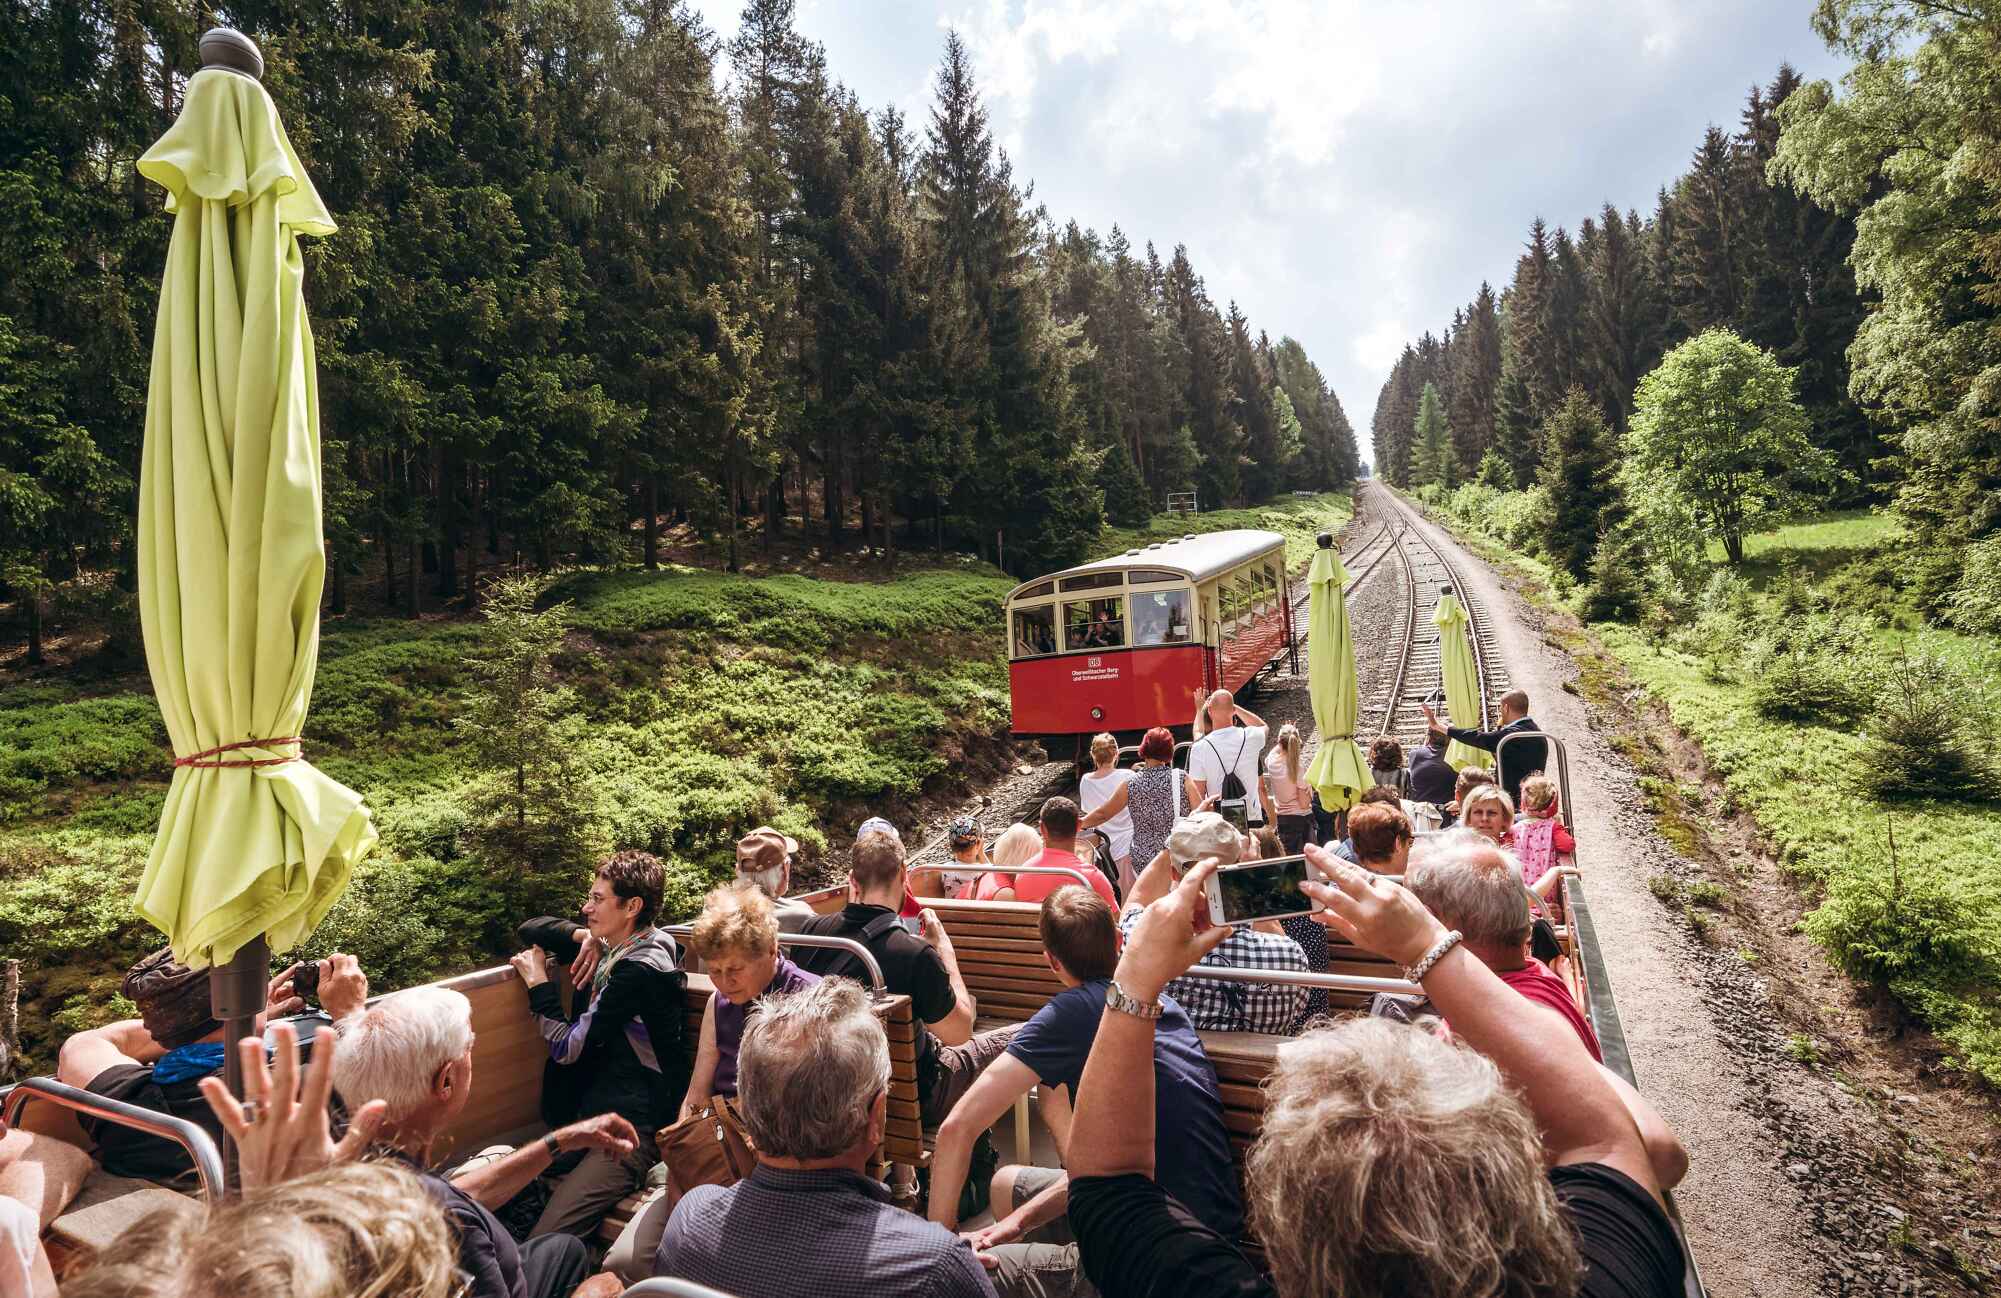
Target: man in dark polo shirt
{"x": 949, "y": 1055}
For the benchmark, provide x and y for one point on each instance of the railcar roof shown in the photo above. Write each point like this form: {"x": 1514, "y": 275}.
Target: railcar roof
{"x": 1196, "y": 557}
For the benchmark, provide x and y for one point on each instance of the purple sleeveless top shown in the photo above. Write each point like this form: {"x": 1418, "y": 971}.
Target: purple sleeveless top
{"x": 730, "y": 1018}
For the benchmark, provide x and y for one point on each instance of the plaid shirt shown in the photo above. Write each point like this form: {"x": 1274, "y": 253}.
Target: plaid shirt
{"x": 1219, "y": 1006}
{"x": 813, "y": 1234}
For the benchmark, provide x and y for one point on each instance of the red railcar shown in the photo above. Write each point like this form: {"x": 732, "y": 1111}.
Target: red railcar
{"x": 1121, "y": 644}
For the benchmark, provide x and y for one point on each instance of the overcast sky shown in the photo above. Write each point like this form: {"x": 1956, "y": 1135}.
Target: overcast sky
{"x": 1347, "y": 172}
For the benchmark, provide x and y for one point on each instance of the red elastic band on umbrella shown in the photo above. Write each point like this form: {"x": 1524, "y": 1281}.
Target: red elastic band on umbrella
{"x": 196, "y": 759}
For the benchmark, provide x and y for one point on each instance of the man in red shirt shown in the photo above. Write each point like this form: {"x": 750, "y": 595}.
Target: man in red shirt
{"x": 1059, "y": 848}
{"x": 1475, "y": 887}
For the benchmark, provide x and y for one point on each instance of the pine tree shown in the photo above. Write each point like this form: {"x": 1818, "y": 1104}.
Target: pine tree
{"x": 1476, "y": 376}
{"x": 1577, "y": 476}
{"x": 1431, "y": 460}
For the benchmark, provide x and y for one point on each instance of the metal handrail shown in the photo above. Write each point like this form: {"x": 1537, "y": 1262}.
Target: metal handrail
{"x": 1294, "y": 978}
{"x": 1038, "y": 869}
{"x": 1552, "y": 745}
{"x": 849, "y": 945}
{"x": 666, "y": 1287}
{"x": 199, "y": 1144}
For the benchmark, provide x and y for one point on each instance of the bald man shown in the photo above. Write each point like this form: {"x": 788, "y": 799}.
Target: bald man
{"x": 1228, "y": 740}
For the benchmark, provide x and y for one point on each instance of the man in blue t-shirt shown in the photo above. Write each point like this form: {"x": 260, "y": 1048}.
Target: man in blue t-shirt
{"x": 1029, "y": 1247}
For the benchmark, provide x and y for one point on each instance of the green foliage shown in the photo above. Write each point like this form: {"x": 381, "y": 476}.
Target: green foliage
{"x": 1922, "y": 739}
{"x": 533, "y": 808}
{"x": 1618, "y": 589}
{"x": 1912, "y": 147}
{"x": 1431, "y": 443}
{"x": 1578, "y": 483}
{"x": 1717, "y": 446}
{"x": 1796, "y": 677}
{"x": 1976, "y": 600}
{"x": 1126, "y": 501}
{"x": 49, "y": 743}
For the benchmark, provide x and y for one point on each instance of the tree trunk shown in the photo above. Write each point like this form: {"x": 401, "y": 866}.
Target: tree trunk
{"x": 730, "y": 491}
{"x": 416, "y": 586}
{"x": 652, "y": 521}
{"x": 388, "y": 568}
{"x": 31, "y": 597}
{"x": 832, "y": 499}
{"x": 1733, "y": 547}
{"x": 472, "y": 550}
{"x": 449, "y": 473}
{"x": 774, "y": 508}
{"x": 337, "y": 603}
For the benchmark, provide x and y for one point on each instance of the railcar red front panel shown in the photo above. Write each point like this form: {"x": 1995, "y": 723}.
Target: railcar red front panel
{"x": 1134, "y": 689}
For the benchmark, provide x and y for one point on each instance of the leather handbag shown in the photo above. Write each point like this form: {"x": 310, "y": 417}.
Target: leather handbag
{"x": 707, "y": 1148}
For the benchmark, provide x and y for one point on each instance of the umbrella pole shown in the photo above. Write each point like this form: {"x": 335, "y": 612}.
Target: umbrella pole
{"x": 237, "y": 993}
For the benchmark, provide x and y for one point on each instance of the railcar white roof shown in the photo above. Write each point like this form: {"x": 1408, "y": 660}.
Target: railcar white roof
{"x": 1196, "y": 557}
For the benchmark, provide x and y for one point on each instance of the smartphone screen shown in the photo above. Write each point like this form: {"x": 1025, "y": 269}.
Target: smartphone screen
{"x": 1260, "y": 890}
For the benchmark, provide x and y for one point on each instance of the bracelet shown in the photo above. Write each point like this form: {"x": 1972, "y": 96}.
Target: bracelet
{"x": 555, "y": 1146}
{"x": 1415, "y": 973}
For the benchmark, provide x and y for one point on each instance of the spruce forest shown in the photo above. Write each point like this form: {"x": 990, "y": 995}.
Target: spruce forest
{"x": 600, "y": 274}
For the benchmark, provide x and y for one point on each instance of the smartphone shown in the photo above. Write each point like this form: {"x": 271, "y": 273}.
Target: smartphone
{"x": 1238, "y": 812}
{"x": 1239, "y": 894}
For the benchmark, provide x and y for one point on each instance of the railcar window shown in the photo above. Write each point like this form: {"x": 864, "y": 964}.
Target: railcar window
{"x": 1035, "y": 631}
{"x": 1143, "y": 576}
{"x": 1038, "y": 591}
{"x": 1161, "y": 617}
{"x": 1094, "y": 623}
{"x": 1093, "y": 581}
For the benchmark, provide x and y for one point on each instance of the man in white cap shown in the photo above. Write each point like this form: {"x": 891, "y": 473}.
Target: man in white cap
{"x": 1212, "y": 1004}
{"x": 764, "y": 856}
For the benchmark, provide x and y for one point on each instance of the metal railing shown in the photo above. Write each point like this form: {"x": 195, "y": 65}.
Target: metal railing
{"x": 849, "y": 945}
{"x": 199, "y": 1144}
{"x": 1294, "y": 978}
{"x": 1551, "y": 745}
{"x": 664, "y": 1287}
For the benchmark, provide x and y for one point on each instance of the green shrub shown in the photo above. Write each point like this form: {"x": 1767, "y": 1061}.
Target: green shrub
{"x": 1921, "y": 741}
{"x": 1975, "y": 602}
{"x": 1798, "y": 682}
{"x": 1901, "y": 920}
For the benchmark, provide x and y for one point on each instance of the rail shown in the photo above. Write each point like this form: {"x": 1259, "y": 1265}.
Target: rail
{"x": 1294, "y": 978}
{"x": 666, "y": 1287}
{"x": 849, "y": 945}
{"x": 200, "y": 1146}
{"x": 1551, "y": 744}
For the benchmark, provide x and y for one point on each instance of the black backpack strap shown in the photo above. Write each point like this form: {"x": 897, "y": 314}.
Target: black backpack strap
{"x": 873, "y": 931}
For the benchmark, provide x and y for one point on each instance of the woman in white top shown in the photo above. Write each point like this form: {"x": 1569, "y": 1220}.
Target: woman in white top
{"x": 1096, "y": 789}
{"x": 1291, "y": 798}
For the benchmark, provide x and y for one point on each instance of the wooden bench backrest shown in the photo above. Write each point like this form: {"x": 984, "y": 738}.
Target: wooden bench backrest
{"x": 507, "y": 1058}
{"x": 999, "y": 947}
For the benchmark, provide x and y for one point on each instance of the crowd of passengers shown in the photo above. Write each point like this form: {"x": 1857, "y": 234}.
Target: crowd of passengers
{"x": 1468, "y": 1141}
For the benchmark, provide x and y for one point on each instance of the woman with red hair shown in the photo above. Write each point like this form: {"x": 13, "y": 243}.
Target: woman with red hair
{"x": 1157, "y": 795}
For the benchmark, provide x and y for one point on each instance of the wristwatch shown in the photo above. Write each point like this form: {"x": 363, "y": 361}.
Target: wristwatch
{"x": 1116, "y": 999}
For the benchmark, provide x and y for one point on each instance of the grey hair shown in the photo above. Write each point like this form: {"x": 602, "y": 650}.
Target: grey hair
{"x": 809, "y": 1069}
{"x": 1472, "y": 885}
{"x": 1394, "y": 1163}
{"x": 392, "y": 1049}
{"x": 772, "y": 881}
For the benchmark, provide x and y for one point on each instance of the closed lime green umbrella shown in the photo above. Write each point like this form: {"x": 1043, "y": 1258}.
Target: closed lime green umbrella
{"x": 253, "y": 840}
{"x": 1339, "y": 771}
{"x": 1462, "y": 681}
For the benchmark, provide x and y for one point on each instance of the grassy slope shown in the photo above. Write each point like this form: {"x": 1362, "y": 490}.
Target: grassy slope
{"x": 716, "y": 702}
{"x": 1934, "y": 934}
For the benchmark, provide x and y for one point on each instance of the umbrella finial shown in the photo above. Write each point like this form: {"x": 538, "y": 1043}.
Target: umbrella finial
{"x": 225, "y": 47}
{"x": 1445, "y": 589}
{"x": 1326, "y": 540}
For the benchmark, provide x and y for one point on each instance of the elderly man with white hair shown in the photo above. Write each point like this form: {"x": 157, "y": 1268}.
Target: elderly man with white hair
{"x": 413, "y": 1051}
{"x": 809, "y": 1221}
{"x": 1213, "y": 1004}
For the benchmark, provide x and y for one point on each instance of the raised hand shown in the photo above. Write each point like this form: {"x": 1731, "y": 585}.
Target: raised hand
{"x": 532, "y": 965}
{"x": 1171, "y": 936}
{"x": 280, "y": 1130}
{"x": 1369, "y": 910}
{"x": 607, "y": 1131}
{"x": 343, "y": 986}
{"x": 589, "y": 952}
{"x": 281, "y": 997}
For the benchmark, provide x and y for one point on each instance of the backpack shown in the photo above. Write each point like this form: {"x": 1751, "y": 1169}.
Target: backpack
{"x": 1233, "y": 801}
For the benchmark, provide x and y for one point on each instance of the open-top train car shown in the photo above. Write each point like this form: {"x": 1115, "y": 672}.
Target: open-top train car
{"x": 1121, "y": 644}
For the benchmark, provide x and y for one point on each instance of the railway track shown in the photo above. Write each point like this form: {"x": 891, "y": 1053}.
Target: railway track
{"x": 1424, "y": 573}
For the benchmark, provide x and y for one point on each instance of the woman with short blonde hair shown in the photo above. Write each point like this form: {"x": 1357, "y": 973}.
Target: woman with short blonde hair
{"x": 737, "y": 937}
{"x": 1018, "y": 846}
